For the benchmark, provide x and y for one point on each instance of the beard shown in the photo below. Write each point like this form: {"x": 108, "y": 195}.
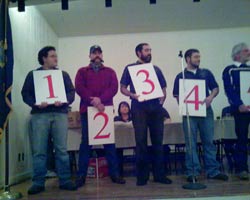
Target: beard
{"x": 246, "y": 59}
{"x": 195, "y": 65}
{"x": 97, "y": 60}
{"x": 146, "y": 59}
{"x": 96, "y": 63}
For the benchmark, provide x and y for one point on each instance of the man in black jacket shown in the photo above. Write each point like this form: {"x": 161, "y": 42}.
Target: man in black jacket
{"x": 48, "y": 118}
{"x": 240, "y": 109}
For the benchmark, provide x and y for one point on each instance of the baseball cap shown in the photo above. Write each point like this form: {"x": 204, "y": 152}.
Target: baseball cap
{"x": 95, "y": 48}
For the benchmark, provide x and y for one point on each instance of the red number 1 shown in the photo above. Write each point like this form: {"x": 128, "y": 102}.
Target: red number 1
{"x": 196, "y": 101}
{"x": 106, "y": 119}
{"x": 151, "y": 83}
{"x": 51, "y": 89}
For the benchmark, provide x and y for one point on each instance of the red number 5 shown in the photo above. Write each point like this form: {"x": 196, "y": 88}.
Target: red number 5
{"x": 151, "y": 83}
{"x": 106, "y": 119}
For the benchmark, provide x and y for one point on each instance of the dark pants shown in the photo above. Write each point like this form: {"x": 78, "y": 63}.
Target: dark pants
{"x": 84, "y": 152}
{"x": 242, "y": 121}
{"x": 148, "y": 115}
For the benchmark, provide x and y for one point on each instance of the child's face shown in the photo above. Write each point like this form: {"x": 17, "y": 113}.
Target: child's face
{"x": 124, "y": 109}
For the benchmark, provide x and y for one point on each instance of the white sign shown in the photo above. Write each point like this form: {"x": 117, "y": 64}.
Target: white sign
{"x": 101, "y": 126}
{"x": 192, "y": 94}
{"x": 49, "y": 86}
{"x": 145, "y": 81}
{"x": 245, "y": 87}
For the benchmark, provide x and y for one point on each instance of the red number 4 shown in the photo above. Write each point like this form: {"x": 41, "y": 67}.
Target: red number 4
{"x": 196, "y": 101}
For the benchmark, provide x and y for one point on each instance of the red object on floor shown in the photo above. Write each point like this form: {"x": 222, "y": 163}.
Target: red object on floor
{"x": 98, "y": 167}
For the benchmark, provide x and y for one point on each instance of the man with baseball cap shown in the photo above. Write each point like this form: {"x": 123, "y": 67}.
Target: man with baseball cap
{"x": 96, "y": 85}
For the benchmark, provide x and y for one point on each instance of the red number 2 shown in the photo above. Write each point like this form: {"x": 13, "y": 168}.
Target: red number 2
{"x": 106, "y": 118}
{"x": 50, "y": 85}
{"x": 196, "y": 101}
{"x": 151, "y": 83}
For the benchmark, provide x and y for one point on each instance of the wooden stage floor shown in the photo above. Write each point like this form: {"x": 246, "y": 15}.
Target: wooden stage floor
{"x": 105, "y": 189}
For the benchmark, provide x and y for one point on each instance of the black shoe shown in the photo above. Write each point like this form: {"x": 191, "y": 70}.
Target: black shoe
{"x": 243, "y": 176}
{"x": 220, "y": 176}
{"x": 68, "y": 186}
{"x": 141, "y": 182}
{"x": 190, "y": 179}
{"x": 80, "y": 181}
{"x": 35, "y": 189}
{"x": 118, "y": 180}
{"x": 163, "y": 180}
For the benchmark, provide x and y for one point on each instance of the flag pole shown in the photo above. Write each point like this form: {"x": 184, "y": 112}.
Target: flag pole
{"x": 7, "y": 194}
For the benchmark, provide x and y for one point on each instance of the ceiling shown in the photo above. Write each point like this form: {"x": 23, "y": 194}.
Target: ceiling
{"x": 91, "y": 17}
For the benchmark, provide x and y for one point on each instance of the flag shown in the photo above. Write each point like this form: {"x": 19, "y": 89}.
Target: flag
{"x": 6, "y": 66}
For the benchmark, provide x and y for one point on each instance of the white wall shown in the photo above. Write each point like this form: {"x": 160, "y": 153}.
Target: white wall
{"x": 30, "y": 33}
{"x": 215, "y": 47}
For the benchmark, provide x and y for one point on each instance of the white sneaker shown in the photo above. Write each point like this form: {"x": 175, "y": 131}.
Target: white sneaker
{"x": 51, "y": 174}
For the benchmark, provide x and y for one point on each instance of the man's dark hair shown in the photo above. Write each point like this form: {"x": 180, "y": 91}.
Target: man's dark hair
{"x": 139, "y": 47}
{"x": 44, "y": 53}
{"x": 190, "y": 52}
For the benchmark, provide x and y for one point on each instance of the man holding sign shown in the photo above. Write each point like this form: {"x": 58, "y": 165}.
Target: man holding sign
{"x": 48, "y": 117}
{"x": 237, "y": 88}
{"x": 205, "y": 125}
{"x": 96, "y": 85}
{"x": 146, "y": 113}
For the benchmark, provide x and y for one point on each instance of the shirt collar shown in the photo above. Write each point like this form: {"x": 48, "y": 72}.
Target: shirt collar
{"x": 192, "y": 71}
{"x": 236, "y": 63}
{"x": 138, "y": 62}
{"x": 41, "y": 68}
{"x": 89, "y": 67}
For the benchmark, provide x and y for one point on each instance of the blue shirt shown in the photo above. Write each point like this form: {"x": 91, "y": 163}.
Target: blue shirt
{"x": 201, "y": 74}
{"x": 231, "y": 81}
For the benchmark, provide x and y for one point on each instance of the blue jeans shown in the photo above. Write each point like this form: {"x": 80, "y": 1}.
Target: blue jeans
{"x": 40, "y": 126}
{"x": 50, "y": 154}
{"x": 205, "y": 125}
{"x": 84, "y": 153}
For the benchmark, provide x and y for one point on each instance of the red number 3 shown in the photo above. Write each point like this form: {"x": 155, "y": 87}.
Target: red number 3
{"x": 151, "y": 83}
{"x": 106, "y": 119}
